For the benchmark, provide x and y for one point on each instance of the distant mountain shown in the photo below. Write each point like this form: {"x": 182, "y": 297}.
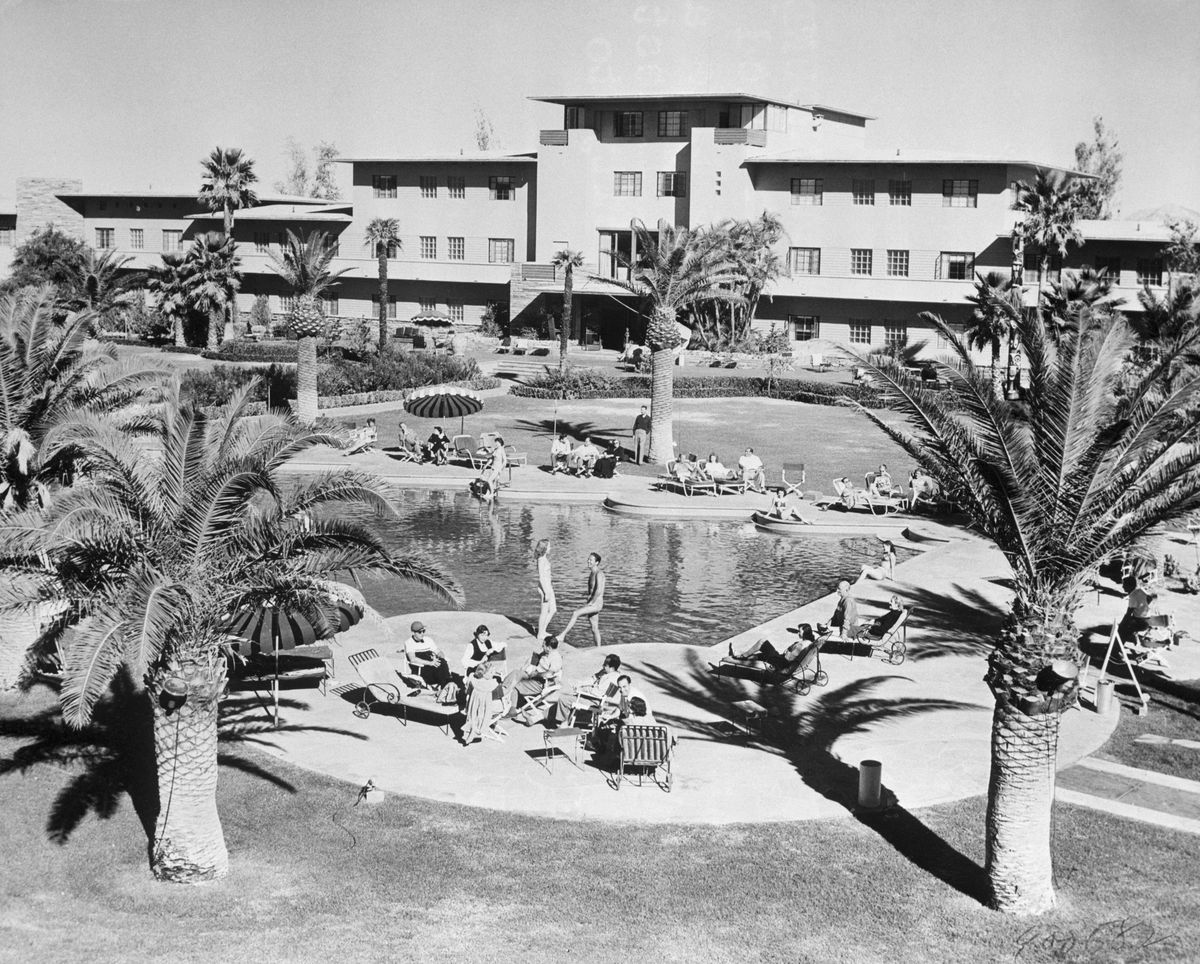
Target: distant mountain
{"x": 1163, "y": 214}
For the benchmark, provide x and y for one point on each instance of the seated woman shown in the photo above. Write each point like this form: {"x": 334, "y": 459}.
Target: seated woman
{"x": 885, "y": 568}
{"x": 714, "y": 469}
{"x": 781, "y": 510}
{"x": 486, "y": 706}
{"x": 882, "y": 486}
{"x": 882, "y": 625}
{"x": 437, "y": 447}
{"x": 560, "y": 455}
{"x": 361, "y": 439}
{"x": 408, "y": 440}
{"x": 606, "y": 466}
{"x": 481, "y": 649}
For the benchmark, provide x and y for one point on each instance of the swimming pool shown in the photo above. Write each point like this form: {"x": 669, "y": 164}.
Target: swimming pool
{"x": 669, "y": 581}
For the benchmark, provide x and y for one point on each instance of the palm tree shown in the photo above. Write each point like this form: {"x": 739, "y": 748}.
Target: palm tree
{"x": 997, "y": 310}
{"x": 1060, "y": 484}
{"x": 1170, "y": 324}
{"x": 749, "y": 246}
{"x": 1074, "y": 300}
{"x": 168, "y": 285}
{"x": 1050, "y": 206}
{"x": 156, "y": 556}
{"x": 383, "y": 234}
{"x": 102, "y": 284}
{"x": 672, "y": 274}
{"x": 568, "y": 260}
{"x": 227, "y": 184}
{"x": 50, "y": 371}
{"x": 304, "y": 264}
{"x": 212, "y": 277}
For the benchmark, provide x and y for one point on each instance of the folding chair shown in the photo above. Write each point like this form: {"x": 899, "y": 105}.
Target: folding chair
{"x": 533, "y": 710}
{"x": 646, "y": 749}
{"x": 514, "y": 457}
{"x": 361, "y": 440}
{"x": 798, "y": 474}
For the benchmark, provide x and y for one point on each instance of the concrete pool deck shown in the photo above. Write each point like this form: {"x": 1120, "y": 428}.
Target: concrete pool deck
{"x": 927, "y": 721}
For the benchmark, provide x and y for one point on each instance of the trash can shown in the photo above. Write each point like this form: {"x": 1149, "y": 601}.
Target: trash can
{"x": 1104, "y": 696}
{"x": 870, "y": 781}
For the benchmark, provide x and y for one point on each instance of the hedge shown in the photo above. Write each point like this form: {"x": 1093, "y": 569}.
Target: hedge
{"x": 792, "y": 389}
{"x": 480, "y": 384}
{"x": 253, "y": 351}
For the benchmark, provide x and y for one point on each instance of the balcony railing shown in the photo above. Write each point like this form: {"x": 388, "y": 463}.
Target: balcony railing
{"x": 739, "y": 135}
{"x": 553, "y": 138}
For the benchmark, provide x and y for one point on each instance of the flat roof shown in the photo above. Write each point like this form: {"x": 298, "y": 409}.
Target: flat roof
{"x": 475, "y": 158}
{"x": 191, "y": 194}
{"x": 905, "y": 157}
{"x": 280, "y": 212}
{"x": 1150, "y": 232}
{"x": 737, "y": 97}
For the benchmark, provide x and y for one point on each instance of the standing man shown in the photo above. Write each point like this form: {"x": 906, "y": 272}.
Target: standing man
{"x": 641, "y": 436}
{"x": 595, "y": 600}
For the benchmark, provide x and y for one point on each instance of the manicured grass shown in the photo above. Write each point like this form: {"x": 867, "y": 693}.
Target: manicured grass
{"x": 315, "y": 877}
{"x": 1173, "y": 715}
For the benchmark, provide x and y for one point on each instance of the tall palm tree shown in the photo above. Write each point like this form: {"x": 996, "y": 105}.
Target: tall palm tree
{"x": 212, "y": 276}
{"x": 994, "y": 320}
{"x": 1170, "y": 324}
{"x": 568, "y": 260}
{"x": 1050, "y": 206}
{"x": 1074, "y": 300}
{"x": 168, "y": 285}
{"x": 156, "y": 556}
{"x": 672, "y": 273}
{"x": 303, "y": 262}
{"x": 51, "y": 371}
{"x": 1059, "y": 485}
{"x": 227, "y": 184}
{"x": 750, "y": 247}
{"x": 102, "y": 284}
{"x": 383, "y": 235}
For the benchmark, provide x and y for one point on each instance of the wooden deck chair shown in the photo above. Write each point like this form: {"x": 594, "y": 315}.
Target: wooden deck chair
{"x": 646, "y": 750}
{"x": 361, "y": 440}
{"x": 894, "y": 640}
{"x": 792, "y": 486}
{"x": 462, "y": 449}
{"x": 533, "y": 710}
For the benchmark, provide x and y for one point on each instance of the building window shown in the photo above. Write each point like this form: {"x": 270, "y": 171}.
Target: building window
{"x": 428, "y": 305}
{"x": 627, "y": 123}
{"x": 1111, "y": 267}
{"x": 627, "y": 183}
{"x": 455, "y": 310}
{"x": 895, "y": 335}
{"x": 428, "y": 185}
{"x": 955, "y": 266}
{"x": 897, "y": 265}
{"x": 384, "y": 185}
{"x": 672, "y": 184}
{"x": 860, "y": 331}
{"x": 137, "y": 238}
{"x": 428, "y": 246}
{"x": 804, "y": 260}
{"x": 391, "y": 306}
{"x": 671, "y": 123}
{"x": 7, "y": 237}
{"x": 330, "y": 304}
{"x": 457, "y": 248}
{"x": 804, "y": 327}
{"x": 262, "y": 241}
{"x": 900, "y": 193}
{"x": 807, "y": 190}
{"x": 1149, "y": 271}
{"x": 861, "y": 260}
{"x": 172, "y": 240}
{"x": 863, "y": 191}
{"x": 960, "y": 194}
{"x": 501, "y": 188}
{"x": 287, "y": 304}
{"x": 1033, "y": 264}
{"x": 456, "y": 187}
{"x": 500, "y": 250}
{"x": 105, "y": 238}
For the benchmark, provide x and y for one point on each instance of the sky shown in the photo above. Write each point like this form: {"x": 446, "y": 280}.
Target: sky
{"x": 131, "y": 94}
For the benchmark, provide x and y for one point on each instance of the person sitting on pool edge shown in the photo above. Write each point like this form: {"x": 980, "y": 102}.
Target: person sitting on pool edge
{"x": 781, "y": 510}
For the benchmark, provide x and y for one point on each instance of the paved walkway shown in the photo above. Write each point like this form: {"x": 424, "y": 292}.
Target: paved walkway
{"x": 1144, "y": 795}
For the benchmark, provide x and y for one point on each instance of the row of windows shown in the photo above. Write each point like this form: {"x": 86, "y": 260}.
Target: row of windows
{"x": 950, "y": 265}
{"x": 500, "y": 187}
{"x": 453, "y": 308}
{"x": 670, "y": 183}
{"x": 955, "y": 193}
{"x": 629, "y": 123}
{"x": 172, "y": 239}
{"x": 808, "y": 327}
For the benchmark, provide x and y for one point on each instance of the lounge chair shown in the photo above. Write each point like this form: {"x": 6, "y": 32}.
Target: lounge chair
{"x": 513, "y": 457}
{"x": 732, "y": 483}
{"x": 793, "y": 485}
{"x": 893, "y": 640}
{"x": 361, "y": 440}
{"x": 382, "y": 683}
{"x": 462, "y": 449}
{"x": 679, "y": 478}
{"x": 646, "y": 749}
{"x": 801, "y": 674}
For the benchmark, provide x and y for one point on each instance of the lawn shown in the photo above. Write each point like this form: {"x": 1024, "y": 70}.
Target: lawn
{"x": 313, "y": 876}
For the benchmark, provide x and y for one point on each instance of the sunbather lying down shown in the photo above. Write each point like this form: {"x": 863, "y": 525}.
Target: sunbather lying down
{"x": 764, "y": 651}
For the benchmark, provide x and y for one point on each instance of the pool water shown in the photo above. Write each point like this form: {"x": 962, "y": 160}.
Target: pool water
{"x": 669, "y": 581}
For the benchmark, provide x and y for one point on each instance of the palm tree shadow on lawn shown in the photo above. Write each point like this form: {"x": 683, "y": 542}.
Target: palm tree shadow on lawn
{"x": 114, "y": 756}
{"x": 959, "y": 622}
{"x": 805, "y": 730}
{"x": 574, "y": 430}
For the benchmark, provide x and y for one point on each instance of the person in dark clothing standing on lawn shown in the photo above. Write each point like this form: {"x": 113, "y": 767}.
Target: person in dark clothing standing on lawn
{"x": 641, "y": 436}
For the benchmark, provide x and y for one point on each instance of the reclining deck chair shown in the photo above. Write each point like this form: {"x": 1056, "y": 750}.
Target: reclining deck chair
{"x": 462, "y": 449}
{"x": 679, "y": 479}
{"x": 893, "y": 640}
{"x": 383, "y": 683}
{"x": 361, "y": 440}
{"x": 801, "y": 674}
{"x": 646, "y": 749}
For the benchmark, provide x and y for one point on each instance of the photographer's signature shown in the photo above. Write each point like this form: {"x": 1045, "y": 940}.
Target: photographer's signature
{"x": 1128, "y": 939}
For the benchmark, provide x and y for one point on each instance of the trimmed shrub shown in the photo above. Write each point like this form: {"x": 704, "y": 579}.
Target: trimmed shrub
{"x": 254, "y": 351}
{"x": 393, "y": 370}
{"x": 211, "y": 388}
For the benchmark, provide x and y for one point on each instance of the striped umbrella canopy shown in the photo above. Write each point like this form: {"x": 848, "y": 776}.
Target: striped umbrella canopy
{"x": 270, "y": 629}
{"x": 432, "y": 319}
{"x": 442, "y": 402}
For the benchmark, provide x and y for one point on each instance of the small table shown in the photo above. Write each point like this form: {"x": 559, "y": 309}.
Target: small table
{"x": 573, "y": 734}
{"x": 753, "y": 713}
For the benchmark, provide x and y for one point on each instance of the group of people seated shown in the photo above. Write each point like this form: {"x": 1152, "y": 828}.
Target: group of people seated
{"x": 749, "y": 469}
{"x": 1144, "y": 630}
{"x": 361, "y": 439}
{"x": 436, "y": 449}
{"x": 586, "y": 460}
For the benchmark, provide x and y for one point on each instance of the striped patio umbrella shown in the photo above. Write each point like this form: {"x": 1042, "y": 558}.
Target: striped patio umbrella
{"x": 441, "y": 402}
{"x": 432, "y": 319}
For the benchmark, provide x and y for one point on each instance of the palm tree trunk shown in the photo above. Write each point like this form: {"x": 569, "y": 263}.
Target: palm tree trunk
{"x": 662, "y": 391}
{"x": 565, "y": 327}
{"x": 1020, "y": 798}
{"x": 188, "y": 845}
{"x": 306, "y": 380}
{"x": 215, "y": 324}
{"x": 997, "y": 376}
{"x": 180, "y": 336}
{"x": 383, "y": 296}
